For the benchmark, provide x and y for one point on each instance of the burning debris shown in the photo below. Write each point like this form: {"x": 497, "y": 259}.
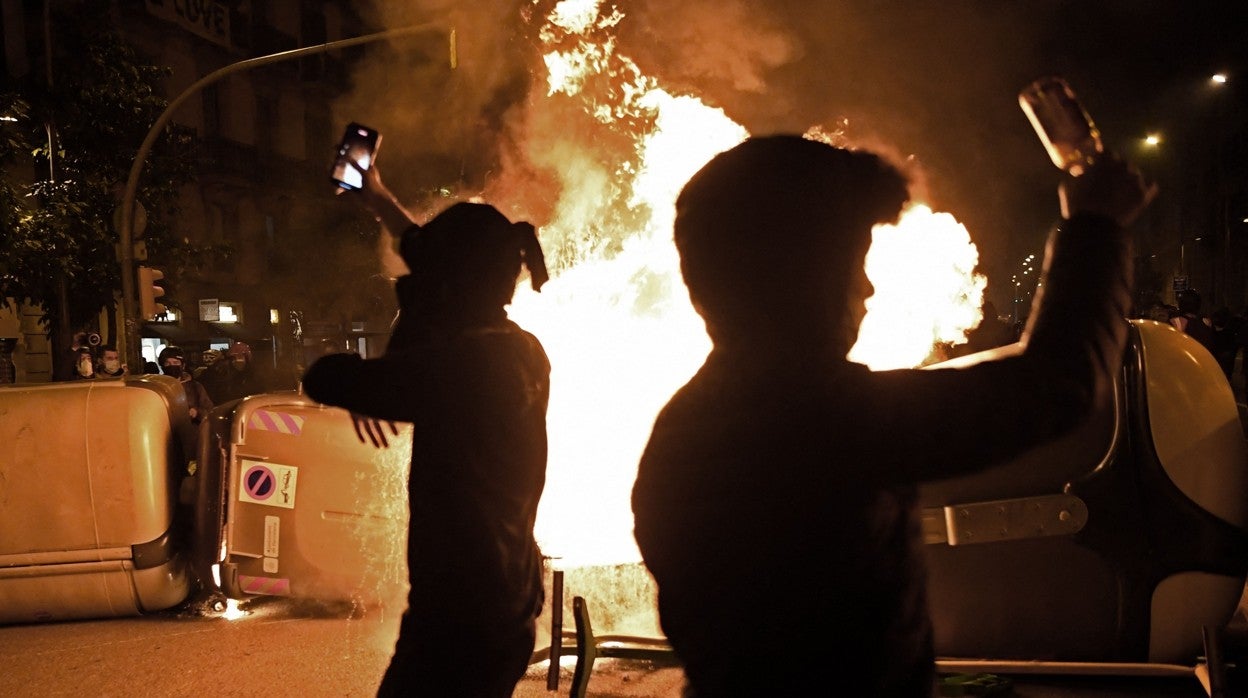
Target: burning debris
{"x": 616, "y": 320}
{"x": 596, "y": 151}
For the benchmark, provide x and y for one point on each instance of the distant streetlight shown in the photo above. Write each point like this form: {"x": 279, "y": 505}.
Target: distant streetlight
{"x": 1152, "y": 140}
{"x": 1219, "y": 78}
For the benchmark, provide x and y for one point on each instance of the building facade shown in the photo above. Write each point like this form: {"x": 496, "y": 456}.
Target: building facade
{"x": 291, "y": 270}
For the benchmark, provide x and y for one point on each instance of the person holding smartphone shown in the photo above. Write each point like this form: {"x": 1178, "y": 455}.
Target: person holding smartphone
{"x": 475, "y": 386}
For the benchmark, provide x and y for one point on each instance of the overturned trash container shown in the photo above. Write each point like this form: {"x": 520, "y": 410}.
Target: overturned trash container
{"x": 290, "y": 503}
{"x": 89, "y": 475}
{"x": 1118, "y": 543}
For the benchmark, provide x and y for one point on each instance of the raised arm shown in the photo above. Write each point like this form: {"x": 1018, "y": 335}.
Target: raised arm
{"x": 378, "y": 200}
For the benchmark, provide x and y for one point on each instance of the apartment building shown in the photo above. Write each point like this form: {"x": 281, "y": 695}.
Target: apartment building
{"x": 261, "y": 190}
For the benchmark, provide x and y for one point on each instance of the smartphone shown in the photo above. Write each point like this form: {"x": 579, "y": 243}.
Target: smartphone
{"x": 359, "y": 145}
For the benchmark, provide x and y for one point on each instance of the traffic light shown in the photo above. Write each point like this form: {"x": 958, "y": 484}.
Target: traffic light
{"x": 149, "y": 292}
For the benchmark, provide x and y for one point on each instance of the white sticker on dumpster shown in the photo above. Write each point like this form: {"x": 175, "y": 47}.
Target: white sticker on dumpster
{"x": 269, "y": 484}
{"x": 272, "y": 533}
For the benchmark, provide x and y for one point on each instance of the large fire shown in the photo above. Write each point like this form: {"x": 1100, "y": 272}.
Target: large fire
{"x": 616, "y": 318}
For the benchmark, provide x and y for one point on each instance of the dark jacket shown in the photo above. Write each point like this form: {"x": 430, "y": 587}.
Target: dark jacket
{"x": 477, "y": 400}
{"x": 776, "y": 502}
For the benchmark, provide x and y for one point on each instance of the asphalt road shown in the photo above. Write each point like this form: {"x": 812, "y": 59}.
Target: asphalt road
{"x": 282, "y": 649}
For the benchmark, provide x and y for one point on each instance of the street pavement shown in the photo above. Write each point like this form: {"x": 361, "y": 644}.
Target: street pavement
{"x": 309, "y": 650}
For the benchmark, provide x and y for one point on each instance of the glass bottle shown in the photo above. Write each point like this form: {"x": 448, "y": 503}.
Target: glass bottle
{"x": 1063, "y": 125}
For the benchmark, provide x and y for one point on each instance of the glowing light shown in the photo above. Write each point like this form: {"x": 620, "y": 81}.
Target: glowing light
{"x": 926, "y": 291}
{"x": 575, "y": 16}
{"x": 1152, "y": 139}
{"x": 229, "y": 313}
{"x": 616, "y": 319}
{"x": 1218, "y": 78}
{"x": 233, "y": 610}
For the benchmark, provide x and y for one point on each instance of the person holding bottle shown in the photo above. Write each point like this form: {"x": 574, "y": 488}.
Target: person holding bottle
{"x": 775, "y": 504}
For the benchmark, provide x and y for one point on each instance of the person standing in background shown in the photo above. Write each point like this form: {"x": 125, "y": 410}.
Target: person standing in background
{"x": 1192, "y": 322}
{"x": 84, "y": 364}
{"x": 110, "y": 365}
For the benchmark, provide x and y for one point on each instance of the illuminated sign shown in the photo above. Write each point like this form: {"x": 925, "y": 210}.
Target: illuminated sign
{"x": 209, "y": 310}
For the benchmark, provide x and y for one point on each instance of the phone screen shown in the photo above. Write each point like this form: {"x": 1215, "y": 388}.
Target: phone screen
{"x": 359, "y": 145}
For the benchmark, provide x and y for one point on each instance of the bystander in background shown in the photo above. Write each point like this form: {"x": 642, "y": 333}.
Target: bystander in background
{"x": 84, "y": 364}
{"x": 8, "y": 371}
{"x": 1191, "y": 321}
{"x": 110, "y": 365}
{"x": 173, "y": 364}
{"x": 234, "y": 377}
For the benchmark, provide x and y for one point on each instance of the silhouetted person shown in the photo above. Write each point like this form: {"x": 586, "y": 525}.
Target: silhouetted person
{"x": 775, "y": 502}
{"x": 234, "y": 376}
{"x": 475, "y": 386}
{"x": 8, "y": 371}
{"x": 1226, "y": 330}
{"x": 1191, "y": 321}
{"x": 198, "y": 402}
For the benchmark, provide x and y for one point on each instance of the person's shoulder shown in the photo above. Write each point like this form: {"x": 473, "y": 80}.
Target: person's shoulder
{"x": 506, "y": 337}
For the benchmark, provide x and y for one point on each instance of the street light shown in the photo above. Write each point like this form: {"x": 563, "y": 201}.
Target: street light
{"x": 125, "y": 232}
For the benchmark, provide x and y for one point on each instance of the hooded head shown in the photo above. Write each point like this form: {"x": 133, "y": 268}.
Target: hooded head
{"x": 464, "y": 265}
{"x": 773, "y": 235}
{"x": 172, "y": 361}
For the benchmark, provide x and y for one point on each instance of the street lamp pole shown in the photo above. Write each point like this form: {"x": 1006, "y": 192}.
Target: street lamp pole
{"x": 125, "y": 230}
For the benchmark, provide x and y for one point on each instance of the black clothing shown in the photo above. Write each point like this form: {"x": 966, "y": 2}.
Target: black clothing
{"x": 775, "y": 503}
{"x": 197, "y": 399}
{"x": 1196, "y": 328}
{"x": 225, "y": 383}
{"x": 477, "y": 399}
{"x": 432, "y": 660}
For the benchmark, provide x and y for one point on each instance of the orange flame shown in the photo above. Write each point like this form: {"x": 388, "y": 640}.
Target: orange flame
{"x": 616, "y": 319}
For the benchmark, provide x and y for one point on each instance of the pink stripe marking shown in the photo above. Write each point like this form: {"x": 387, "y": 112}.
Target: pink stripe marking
{"x": 267, "y": 419}
{"x": 265, "y": 585}
{"x": 292, "y": 425}
{"x": 280, "y": 422}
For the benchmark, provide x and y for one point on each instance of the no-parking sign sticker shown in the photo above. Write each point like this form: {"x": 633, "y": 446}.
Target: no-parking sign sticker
{"x": 269, "y": 484}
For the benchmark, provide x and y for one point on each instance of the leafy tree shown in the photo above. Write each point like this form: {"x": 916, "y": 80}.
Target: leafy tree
{"x": 75, "y": 130}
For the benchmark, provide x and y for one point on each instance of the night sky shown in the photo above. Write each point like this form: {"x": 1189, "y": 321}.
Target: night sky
{"x": 931, "y": 80}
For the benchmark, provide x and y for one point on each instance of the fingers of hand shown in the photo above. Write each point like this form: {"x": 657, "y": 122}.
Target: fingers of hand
{"x": 356, "y": 424}
{"x": 379, "y": 436}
